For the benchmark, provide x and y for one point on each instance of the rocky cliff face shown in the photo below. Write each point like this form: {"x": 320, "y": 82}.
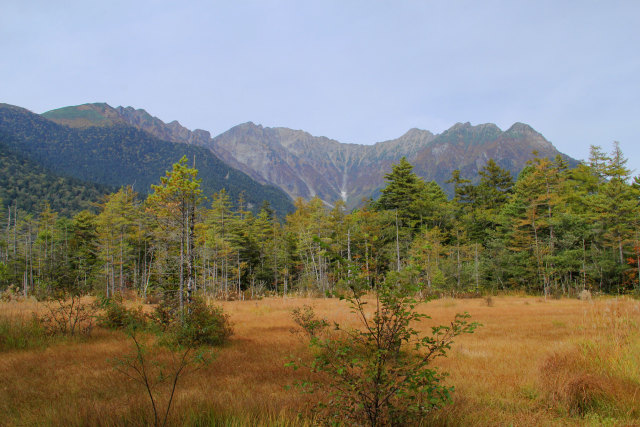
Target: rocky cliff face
{"x": 172, "y": 131}
{"x": 468, "y": 148}
{"x": 305, "y": 166}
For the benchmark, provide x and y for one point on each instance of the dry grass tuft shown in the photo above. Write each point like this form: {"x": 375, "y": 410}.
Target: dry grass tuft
{"x": 599, "y": 371}
{"x": 585, "y": 295}
{"x": 587, "y": 392}
{"x": 566, "y": 380}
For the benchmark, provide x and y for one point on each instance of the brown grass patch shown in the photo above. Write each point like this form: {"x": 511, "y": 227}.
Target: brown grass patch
{"x": 520, "y": 368}
{"x": 566, "y": 380}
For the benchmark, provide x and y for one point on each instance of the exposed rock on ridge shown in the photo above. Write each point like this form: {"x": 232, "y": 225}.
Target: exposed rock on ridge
{"x": 305, "y": 166}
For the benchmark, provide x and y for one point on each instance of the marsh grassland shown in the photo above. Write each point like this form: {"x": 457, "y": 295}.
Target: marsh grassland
{"x": 533, "y": 362}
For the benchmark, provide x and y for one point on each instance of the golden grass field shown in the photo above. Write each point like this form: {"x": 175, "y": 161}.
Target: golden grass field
{"x": 533, "y": 362}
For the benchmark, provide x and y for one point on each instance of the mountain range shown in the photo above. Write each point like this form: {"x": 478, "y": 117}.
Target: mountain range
{"x": 101, "y": 145}
{"x": 120, "y": 154}
{"x": 304, "y": 165}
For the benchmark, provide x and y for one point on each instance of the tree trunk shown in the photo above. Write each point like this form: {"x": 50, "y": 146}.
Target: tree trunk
{"x": 397, "y": 242}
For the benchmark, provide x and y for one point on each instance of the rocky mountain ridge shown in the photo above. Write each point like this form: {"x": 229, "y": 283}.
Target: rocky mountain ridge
{"x": 114, "y": 153}
{"x": 305, "y": 166}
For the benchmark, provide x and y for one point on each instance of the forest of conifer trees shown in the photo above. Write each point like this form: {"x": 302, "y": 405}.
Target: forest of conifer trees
{"x": 554, "y": 230}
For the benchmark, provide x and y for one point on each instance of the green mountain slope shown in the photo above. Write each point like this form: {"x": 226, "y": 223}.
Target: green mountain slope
{"x": 30, "y": 185}
{"x": 120, "y": 154}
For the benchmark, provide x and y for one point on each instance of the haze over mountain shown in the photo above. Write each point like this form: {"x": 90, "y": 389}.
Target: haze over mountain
{"x": 304, "y": 165}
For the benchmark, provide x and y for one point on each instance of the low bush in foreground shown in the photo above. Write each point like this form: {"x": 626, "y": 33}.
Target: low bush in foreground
{"x": 199, "y": 324}
{"x": 379, "y": 374}
{"x": 68, "y": 313}
{"x": 204, "y": 325}
{"x": 117, "y": 316}
{"x": 157, "y": 363}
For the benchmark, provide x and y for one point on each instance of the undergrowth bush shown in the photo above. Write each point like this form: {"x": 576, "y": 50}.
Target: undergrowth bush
{"x": 570, "y": 385}
{"x": 166, "y": 314}
{"x": 117, "y": 316}
{"x": 157, "y": 366}
{"x": 11, "y": 293}
{"x": 68, "y": 313}
{"x": 204, "y": 325}
{"x": 181, "y": 335}
{"x": 379, "y": 374}
{"x": 199, "y": 324}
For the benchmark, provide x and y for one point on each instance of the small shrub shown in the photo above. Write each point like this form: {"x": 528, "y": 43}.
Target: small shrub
{"x": 585, "y": 295}
{"x": 573, "y": 383}
{"x": 166, "y": 314}
{"x": 117, "y": 316}
{"x": 570, "y": 385}
{"x": 381, "y": 373}
{"x": 68, "y": 314}
{"x": 305, "y": 318}
{"x": 11, "y": 293}
{"x": 203, "y": 325}
{"x": 147, "y": 367}
{"x": 153, "y": 299}
{"x": 200, "y": 324}
{"x": 586, "y": 393}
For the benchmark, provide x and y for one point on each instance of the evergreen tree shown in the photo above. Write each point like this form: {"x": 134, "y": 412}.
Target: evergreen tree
{"x": 401, "y": 190}
{"x": 173, "y": 204}
{"x": 495, "y": 185}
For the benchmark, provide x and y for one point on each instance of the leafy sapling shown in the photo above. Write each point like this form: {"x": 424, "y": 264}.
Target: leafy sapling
{"x": 151, "y": 366}
{"x": 380, "y": 372}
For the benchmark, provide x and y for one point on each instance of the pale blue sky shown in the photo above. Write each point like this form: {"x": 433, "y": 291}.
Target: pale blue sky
{"x": 355, "y": 71}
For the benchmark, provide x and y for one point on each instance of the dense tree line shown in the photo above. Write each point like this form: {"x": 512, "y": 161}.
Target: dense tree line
{"x": 554, "y": 230}
{"x": 26, "y": 185}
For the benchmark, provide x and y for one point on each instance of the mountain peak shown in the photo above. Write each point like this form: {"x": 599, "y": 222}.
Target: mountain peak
{"x": 415, "y": 133}
{"x": 520, "y": 128}
{"x": 466, "y": 134}
{"x": 85, "y": 115}
{"x": 522, "y": 131}
{"x": 459, "y": 126}
{"x": 467, "y": 126}
{"x": 13, "y": 108}
{"x": 247, "y": 126}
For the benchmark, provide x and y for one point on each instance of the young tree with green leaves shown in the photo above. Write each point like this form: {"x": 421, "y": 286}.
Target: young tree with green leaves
{"x": 380, "y": 372}
{"x": 173, "y": 205}
{"x": 401, "y": 189}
